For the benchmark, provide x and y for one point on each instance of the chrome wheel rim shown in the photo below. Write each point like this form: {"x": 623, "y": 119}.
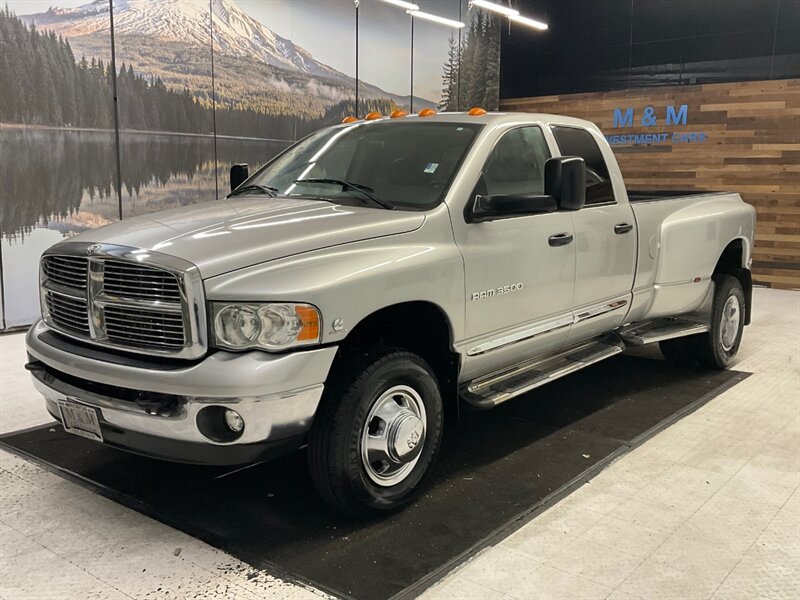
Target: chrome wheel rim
{"x": 393, "y": 435}
{"x": 729, "y": 325}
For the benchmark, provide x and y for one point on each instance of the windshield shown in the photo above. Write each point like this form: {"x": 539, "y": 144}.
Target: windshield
{"x": 407, "y": 165}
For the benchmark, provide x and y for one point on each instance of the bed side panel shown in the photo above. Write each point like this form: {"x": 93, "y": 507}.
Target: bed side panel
{"x": 680, "y": 242}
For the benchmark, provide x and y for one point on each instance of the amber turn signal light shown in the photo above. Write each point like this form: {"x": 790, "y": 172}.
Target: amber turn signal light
{"x": 398, "y": 113}
{"x": 426, "y": 112}
{"x": 309, "y": 319}
{"x": 476, "y": 111}
{"x": 349, "y": 119}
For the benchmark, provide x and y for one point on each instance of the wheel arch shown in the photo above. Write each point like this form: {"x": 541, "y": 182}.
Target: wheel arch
{"x": 734, "y": 261}
{"x": 421, "y": 327}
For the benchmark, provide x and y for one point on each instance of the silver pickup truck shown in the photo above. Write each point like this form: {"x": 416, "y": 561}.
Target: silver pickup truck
{"x": 370, "y": 276}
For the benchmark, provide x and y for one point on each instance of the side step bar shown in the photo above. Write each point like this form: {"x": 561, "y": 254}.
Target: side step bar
{"x": 658, "y": 330}
{"x": 493, "y": 389}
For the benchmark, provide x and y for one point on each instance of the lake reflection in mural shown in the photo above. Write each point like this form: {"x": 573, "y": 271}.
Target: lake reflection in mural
{"x": 57, "y": 183}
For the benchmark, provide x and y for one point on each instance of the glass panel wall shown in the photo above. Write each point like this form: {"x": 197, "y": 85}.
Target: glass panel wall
{"x": 56, "y": 138}
{"x": 201, "y": 85}
{"x": 479, "y": 67}
{"x": 435, "y": 54}
{"x": 384, "y": 57}
{"x": 164, "y": 87}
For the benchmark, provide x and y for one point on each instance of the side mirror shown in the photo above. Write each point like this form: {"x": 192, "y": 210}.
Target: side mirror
{"x": 565, "y": 180}
{"x": 239, "y": 174}
{"x": 488, "y": 208}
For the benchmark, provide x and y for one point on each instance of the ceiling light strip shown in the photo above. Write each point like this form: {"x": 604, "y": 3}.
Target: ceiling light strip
{"x": 529, "y": 22}
{"x": 435, "y": 18}
{"x": 503, "y": 10}
{"x": 402, "y": 4}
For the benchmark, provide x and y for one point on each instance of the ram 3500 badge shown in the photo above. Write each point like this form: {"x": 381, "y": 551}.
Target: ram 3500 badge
{"x": 345, "y": 293}
{"x": 498, "y": 291}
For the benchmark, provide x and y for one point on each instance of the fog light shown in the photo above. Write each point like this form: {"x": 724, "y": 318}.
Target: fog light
{"x": 220, "y": 424}
{"x": 234, "y": 421}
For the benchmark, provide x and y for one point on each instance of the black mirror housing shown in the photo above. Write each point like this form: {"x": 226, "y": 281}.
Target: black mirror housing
{"x": 565, "y": 180}
{"x": 489, "y": 208}
{"x": 239, "y": 174}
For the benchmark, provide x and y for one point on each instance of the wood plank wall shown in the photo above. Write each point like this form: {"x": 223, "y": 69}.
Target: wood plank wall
{"x": 752, "y": 146}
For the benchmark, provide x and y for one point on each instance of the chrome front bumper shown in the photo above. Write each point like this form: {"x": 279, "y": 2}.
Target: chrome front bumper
{"x": 276, "y": 394}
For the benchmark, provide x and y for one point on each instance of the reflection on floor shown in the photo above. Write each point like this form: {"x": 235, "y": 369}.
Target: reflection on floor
{"x": 494, "y": 469}
{"x": 709, "y": 507}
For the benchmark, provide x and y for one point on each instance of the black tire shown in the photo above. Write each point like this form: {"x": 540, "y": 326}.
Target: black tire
{"x": 338, "y": 468}
{"x": 718, "y": 347}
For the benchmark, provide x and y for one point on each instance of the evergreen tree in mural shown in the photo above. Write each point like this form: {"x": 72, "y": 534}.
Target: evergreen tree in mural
{"x": 44, "y": 85}
{"x": 491, "y": 61}
{"x": 449, "y": 99}
{"x": 471, "y": 73}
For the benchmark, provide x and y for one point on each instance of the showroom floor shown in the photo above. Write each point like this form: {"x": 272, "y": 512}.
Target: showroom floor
{"x": 708, "y": 508}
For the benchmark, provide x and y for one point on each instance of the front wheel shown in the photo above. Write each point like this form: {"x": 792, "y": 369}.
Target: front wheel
{"x": 377, "y": 431}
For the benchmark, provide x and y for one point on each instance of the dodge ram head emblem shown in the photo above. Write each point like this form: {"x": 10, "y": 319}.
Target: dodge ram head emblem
{"x": 413, "y": 440}
{"x": 93, "y": 249}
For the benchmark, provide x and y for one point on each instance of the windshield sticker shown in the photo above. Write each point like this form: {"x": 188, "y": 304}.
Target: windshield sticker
{"x": 431, "y": 168}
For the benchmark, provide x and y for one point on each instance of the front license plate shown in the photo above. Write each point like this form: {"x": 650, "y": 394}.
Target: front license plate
{"x": 80, "y": 420}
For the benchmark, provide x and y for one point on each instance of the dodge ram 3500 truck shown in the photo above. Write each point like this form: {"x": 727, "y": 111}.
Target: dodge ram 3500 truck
{"x": 370, "y": 275}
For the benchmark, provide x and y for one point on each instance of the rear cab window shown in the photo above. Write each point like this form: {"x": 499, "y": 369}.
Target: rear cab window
{"x": 574, "y": 141}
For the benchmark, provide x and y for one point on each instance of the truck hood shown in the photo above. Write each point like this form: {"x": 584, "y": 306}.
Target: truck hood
{"x": 226, "y": 235}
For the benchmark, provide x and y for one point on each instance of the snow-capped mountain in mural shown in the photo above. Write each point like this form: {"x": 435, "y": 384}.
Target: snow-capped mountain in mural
{"x": 170, "y": 39}
{"x": 235, "y": 32}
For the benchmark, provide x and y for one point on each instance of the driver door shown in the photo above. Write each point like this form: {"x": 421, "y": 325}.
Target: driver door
{"x": 519, "y": 270}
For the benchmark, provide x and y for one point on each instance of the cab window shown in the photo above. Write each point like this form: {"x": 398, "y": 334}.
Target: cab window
{"x": 573, "y": 141}
{"x": 516, "y": 164}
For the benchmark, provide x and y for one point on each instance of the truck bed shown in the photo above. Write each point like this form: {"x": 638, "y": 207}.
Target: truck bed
{"x": 640, "y": 195}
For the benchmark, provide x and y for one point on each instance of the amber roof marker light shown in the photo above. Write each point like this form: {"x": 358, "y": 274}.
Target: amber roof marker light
{"x": 398, "y": 113}
{"x": 476, "y": 111}
{"x": 426, "y": 112}
{"x": 350, "y": 119}
{"x": 373, "y": 116}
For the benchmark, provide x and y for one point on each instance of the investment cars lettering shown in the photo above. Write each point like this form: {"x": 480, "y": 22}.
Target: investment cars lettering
{"x": 624, "y": 118}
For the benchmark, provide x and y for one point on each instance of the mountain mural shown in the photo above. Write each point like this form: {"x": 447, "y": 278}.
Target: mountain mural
{"x": 255, "y": 68}
{"x": 65, "y": 165}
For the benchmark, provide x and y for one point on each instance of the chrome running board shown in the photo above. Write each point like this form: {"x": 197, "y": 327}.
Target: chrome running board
{"x": 639, "y": 334}
{"x": 490, "y": 390}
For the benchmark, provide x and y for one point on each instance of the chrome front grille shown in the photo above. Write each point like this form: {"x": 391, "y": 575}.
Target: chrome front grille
{"x": 145, "y": 328}
{"x": 117, "y": 297}
{"x": 69, "y": 271}
{"x": 129, "y": 280}
{"x": 68, "y": 313}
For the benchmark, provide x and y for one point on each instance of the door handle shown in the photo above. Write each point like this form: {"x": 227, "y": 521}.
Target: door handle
{"x": 560, "y": 239}
{"x": 621, "y": 228}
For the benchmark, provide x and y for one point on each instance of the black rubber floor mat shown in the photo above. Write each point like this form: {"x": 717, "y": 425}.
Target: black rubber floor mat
{"x": 496, "y": 470}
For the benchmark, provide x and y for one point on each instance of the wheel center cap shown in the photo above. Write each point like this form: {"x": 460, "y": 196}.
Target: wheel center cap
{"x": 406, "y": 437}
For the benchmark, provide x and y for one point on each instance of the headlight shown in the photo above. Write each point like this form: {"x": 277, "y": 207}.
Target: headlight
{"x": 266, "y": 326}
